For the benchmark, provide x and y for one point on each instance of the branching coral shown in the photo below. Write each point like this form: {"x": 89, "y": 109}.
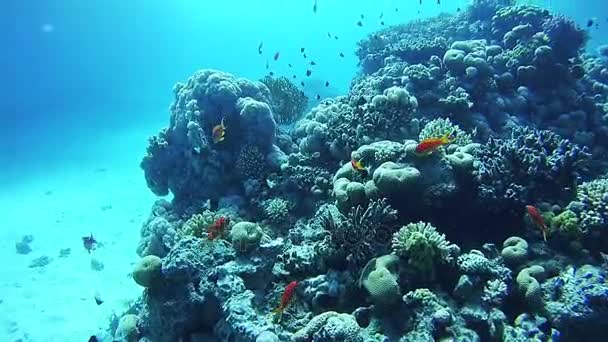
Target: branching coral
{"x": 361, "y": 234}
{"x": 439, "y": 127}
{"x": 288, "y": 102}
{"x": 590, "y": 205}
{"x": 250, "y": 163}
{"x": 529, "y": 165}
{"x": 197, "y": 224}
{"x": 422, "y": 246}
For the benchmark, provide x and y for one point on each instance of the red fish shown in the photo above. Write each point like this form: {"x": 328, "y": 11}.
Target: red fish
{"x": 538, "y": 220}
{"x": 290, "y": 290}
{"x": 429, "y": 145}
{"x": 217, "y": 228}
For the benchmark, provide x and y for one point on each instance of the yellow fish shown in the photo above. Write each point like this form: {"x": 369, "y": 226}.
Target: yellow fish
{"x": 219, "y": 132}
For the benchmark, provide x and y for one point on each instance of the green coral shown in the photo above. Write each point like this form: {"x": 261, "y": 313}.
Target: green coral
{"x": 250, "y": 162}
{"x": 422, "y": 246}
{"x": 566, "y": 223}
{"x": 528, "y": 282}
{"x": 380, "y": 279}
{"x": 277, "y": 209}
{"x": 245, "y": 236}
{"x": 441, "y": 126}
{"x": 288, "y": 102}
{"x": 514, "y": 250}
{"x": 197, "y": 224}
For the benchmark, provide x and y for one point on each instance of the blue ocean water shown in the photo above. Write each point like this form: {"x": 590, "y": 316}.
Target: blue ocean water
{"x": 87, "y": 82}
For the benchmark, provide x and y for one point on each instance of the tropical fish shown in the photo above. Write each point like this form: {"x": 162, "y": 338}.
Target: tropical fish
{"x": 308, "y": 72}
{"x": 217, "y": 228}
{"x": 382, "y": 23}
{"x": 267, "y": 66}
{"x": 359, "y": 23}
{"x": 589, "y": 22}
{"x": 381, "y": 15}
{"x": 302, "y": 83}
{"x": 429, "y": 145}
{"x": 538, "y": 220}
{"x": 329, "y": 34}
{"x": 318, "y": 97}
{"x": 326, "y": 83}
{"x": 357, "y": 165}
{"x": 276, "y": 55}
{"x": 219, "y": 132}
{"x": 290, "y": 290}
{"x": 93, "y": 338}
{"x": 313, "y": 63}
{"x": 294, "y": 77}
{"x": 301, "y": 50}
{"x": 97, "y": 297}
{"x": 89, "y": 243}
{"x": 314, "y": 7}
{"x": 289, "y": 65}
{"x": 260, "y": 47}
{"x": 304, "y": 55}
{"x": 271, "y": 73}
{"x": 341, "y": 54}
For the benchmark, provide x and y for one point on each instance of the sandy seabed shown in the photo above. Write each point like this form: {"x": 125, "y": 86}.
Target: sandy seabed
{"x": 101, "y": 190}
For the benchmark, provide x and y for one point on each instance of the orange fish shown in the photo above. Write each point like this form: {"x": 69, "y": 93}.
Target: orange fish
{"x": 290, "y": 290}
{"x": 219, "y": 132}
{"x": 538, "y": 220}
{"x": 430, "y": 145}
{"x": 357, "y": 165}
{"x": 217, "y": 228}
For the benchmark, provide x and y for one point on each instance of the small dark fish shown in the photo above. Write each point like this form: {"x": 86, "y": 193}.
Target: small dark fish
{"x": 336, "y": 37}
{"x": 341, "y": 54}
{"x": 302, "y": 83}
{"x": 308, "y": 72}
{"x": 381, "y": 15}
{"x": 93, "y": 338}
{"x": 271, "y": 73}
{"x": 396, "y": 9}
{"x": 289, "y": 65}
{"x": 294, "y": 77}
{"x": 266, "y": 64}
{"x": 313, "y": 63}
{"x": 327, "y": 83}
{"x": 438, "y": 2}
{"x": 318, "y": 97}
{"x": 276, "y": 55}
{"x": 260, "y": 47}
{"x": 329, "y": 34}
{"x": 589, "y": 22}
{"x": 314, "y": 7}
{"x": 304, "y": 55}
{"x": 359, "y": 23}
{"x": 89, "y": 243}
{"x": 382, "y": 23}
{"x": 362, "y": 16}
{"x": 97, "y": 297}
{"x": 458, "y": 9}
{"x": 301, "y": 50}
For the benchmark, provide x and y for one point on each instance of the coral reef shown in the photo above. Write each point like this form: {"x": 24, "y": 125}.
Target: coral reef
{"x": 288, "y": 102}
{"x": 368, "y": 232}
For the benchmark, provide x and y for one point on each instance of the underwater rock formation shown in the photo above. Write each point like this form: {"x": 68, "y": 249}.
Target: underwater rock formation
{"x": 396, "y": 212}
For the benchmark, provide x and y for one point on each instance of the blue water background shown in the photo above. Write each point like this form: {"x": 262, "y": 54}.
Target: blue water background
{"x": 80, "y": 73}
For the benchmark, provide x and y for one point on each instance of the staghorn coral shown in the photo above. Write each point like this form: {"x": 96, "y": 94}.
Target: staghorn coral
{"x": 423, "y": 247}
{"x": 530, "y": 164}
{"x": 288, "y": 102}
{"x": 361, "y": 234}
{"x": 439, "y": 127}
{"x": 591, "y": 205}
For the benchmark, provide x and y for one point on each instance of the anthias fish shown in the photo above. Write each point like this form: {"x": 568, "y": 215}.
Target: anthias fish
{"x": 537, "y": 219}
{"x": 430, "y": 145}
{"x": 288, "y": 294}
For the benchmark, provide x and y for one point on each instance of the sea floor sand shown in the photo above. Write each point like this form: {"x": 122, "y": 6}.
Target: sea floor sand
{"x": 100, "y": 191}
